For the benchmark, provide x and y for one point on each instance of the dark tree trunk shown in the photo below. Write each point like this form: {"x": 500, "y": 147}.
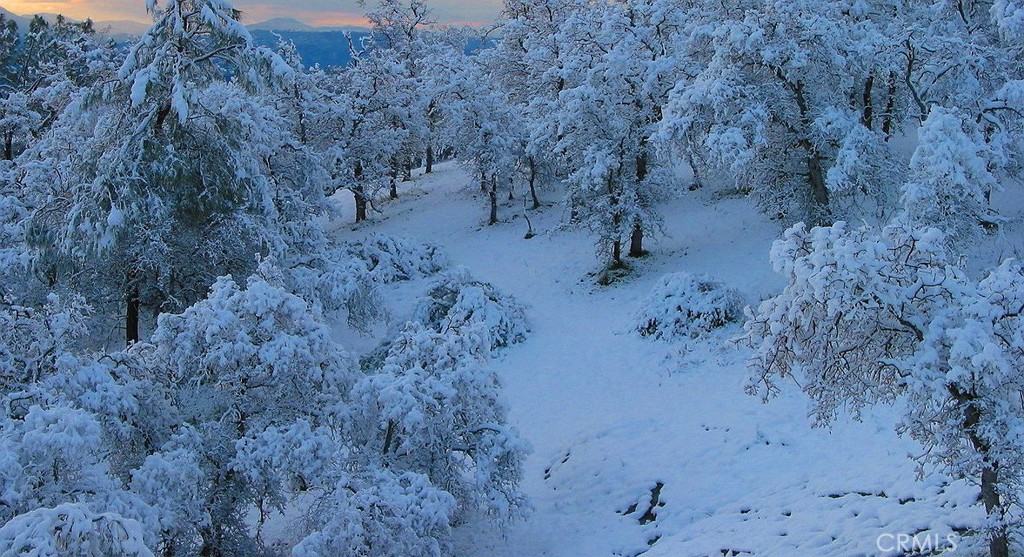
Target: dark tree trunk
{"x": 692, "y": 160}
{"x": 493, "y": 195}
{"x": 868, "y": 115}
{"x": 407, "y": 170}
{"x": 616, "y": 253}
{"x": 890, "y": 106}
{"x": 131, "y": 314}
{"x": 394, "y": 178}
{"x": 430, "y": 159}
{"x": 511, "y": 189}
{"x": 360, "y": 204}
{"x": 483, "y": 181}
{"x": 636, "y": 241}
{"x": 533, "y": 180}
{"x": 998, "y": 544}
{"x": 9, "y": 146}
{"x": 998, "y": 540}
{"x": 359, "y": 193}
{"x": 820, "y": 213}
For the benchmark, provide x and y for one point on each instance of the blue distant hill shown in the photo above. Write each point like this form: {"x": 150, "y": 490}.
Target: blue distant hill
{"x": 326, "y": 48}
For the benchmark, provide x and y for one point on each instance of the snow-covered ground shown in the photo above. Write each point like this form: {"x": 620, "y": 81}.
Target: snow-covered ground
{"x": 648, "y": 447}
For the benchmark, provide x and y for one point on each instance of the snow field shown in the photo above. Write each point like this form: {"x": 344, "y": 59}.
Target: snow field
{"x": 612, "y": 416}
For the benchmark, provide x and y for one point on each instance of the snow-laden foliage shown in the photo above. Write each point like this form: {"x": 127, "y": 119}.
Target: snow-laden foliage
{"x": 436, "y": 409}
{"x": 52, "y": 456}
{"x": 243, "y": 406}
{"x": 388, "y": 259}
{"x": 158, "y": 181}
{"x": 854, "y": 300}
{"x": 456, "y": 301}
{"x": 343, "y": 278}
{"x": 33, "y": 339}
{"x": 255, "y": 353}
{"x": 790, "y": 100}
{"x": 44, "y": 67}
{"x": 951, "y": 179}
{"x": 686, "y": 306}
{"x": 964, "y": 381}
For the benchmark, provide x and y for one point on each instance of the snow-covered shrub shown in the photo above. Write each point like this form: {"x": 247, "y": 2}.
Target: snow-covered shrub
{"x": 684, "y": 305}
{"x": 72, "y": 529}
{"x": 342, "y": 278}
{"x": 388, "y": 259}
{"x": 436, "y": 409}
{"x": 49, "y": 457}
{"x": 173, "y": 484}
{"x": 456, "y": 300}
{"x": 236, "y": 365}
{"x": 382, "y": 514}
{"x": 259, "y": 353}
{"x": 950, "y": 175}
{"x": 333, "y": 285}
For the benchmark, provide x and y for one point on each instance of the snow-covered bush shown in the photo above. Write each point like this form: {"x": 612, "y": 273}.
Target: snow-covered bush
{"x": 51, "y": 456}
{"x": 71, "y": 529}
{"x": 334, "y": 285}
{"x": 435, "y": 408}
{"x": 382, "y": 514}
{"x": 388, "y": 259}
{"x": 684, "y": 305}
{"x": 456, "y": 300}
{"x": 236, "y": 365}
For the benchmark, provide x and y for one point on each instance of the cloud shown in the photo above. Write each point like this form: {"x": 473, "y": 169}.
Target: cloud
{"x": 316, "y": 12}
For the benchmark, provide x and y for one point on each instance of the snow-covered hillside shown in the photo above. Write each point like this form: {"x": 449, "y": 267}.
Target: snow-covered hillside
{"x": 652, "y": 447}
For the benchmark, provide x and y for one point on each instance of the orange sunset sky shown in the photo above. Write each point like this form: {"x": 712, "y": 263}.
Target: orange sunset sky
{"x": 313, "y": 12}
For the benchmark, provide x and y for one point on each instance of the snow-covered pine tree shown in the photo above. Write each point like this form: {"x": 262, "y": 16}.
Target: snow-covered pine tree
{"x": 174, "y": 173}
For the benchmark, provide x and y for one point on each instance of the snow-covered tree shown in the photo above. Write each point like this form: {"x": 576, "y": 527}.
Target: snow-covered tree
{"x": 950, "y": 178}
{"x": 486, "y": 129}
{"x": 361, "y": 130}
{"x": 796, "y": 99}
{"x": 70, "y": 529}
{"x": 171, "y": 175}
{"x": 435, "y": 409}
{"x": 624, "y": 59}
{"x": 41, "y": 73}
{"x": 870, "y": 317}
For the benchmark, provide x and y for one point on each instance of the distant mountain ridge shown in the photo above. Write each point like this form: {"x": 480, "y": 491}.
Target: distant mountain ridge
{"x": 324, "y": 46}
{"x": 131, "y": 27}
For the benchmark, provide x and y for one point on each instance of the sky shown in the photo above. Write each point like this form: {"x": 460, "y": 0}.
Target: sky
{"x": 313, "y": 12}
